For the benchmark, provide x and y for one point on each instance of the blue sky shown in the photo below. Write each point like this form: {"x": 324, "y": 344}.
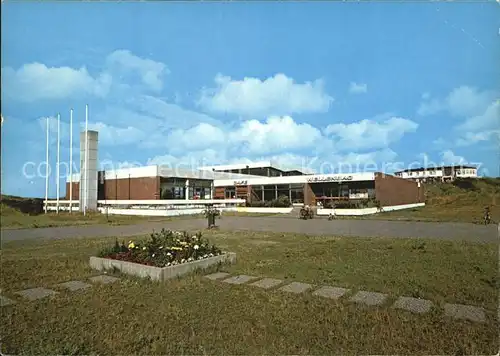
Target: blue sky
{"x": 327, "y": 86}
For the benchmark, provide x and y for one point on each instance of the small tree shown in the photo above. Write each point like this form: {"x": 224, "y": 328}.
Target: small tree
{"x": 210, "y": 213}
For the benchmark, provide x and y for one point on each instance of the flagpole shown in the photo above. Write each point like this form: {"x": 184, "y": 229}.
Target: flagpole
{"x": 71, "y": 161}
{"x": 47, "y": 169}
{"x": 58, "y": 160}
{"x": 86, "y": 157}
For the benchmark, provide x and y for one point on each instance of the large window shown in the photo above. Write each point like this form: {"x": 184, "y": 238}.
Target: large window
{"x": 230, "y": 193}
{"x": 269, "y": 192}
{"x": 297, "y": 193}
{"x": 257, "y": 192}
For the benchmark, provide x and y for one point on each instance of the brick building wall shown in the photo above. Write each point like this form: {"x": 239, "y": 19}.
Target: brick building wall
{"x": 309, "y": 196}
{"x": 390, "y": 190}
{"x": 147, "y": 188}
{"x": 219, "y": 193}
{"x": 76, "y": 191}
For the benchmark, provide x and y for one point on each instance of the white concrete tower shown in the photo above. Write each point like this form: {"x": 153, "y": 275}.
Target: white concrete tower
{"x": 88, "y": 171}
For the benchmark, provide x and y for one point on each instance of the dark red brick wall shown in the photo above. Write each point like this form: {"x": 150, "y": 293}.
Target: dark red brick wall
{"x": 147, "y": 188}
{"x": 390, "y": 190}
{"x": 219, "y": 193}
{"x": 309, "y": 196}
{"x": 76, "y": 191}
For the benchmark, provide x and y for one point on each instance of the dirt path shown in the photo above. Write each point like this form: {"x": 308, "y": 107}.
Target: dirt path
{"x": 361, "y": 228}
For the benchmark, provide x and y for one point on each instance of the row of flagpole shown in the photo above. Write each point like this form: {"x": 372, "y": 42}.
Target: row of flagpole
{"x": 84, "y": 190}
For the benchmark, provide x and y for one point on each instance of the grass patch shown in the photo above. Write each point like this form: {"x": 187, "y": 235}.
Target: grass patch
{"x": 14, "y": 219}
{"x": 460, "y": 201}
{"x": 195, "y": 316}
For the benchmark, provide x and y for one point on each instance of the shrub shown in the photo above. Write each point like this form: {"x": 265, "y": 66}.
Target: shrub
{"x": 211, "y": 211}
{"x": 164, "y": 248}
{"x": 281, "y": 202}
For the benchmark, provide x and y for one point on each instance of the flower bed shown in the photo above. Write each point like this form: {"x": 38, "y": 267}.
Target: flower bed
{"x": 163, "y": 249}
{"x": 167, "y": 254}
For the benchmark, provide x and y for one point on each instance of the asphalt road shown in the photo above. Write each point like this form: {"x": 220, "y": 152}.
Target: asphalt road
{"x": 354, "y": 228}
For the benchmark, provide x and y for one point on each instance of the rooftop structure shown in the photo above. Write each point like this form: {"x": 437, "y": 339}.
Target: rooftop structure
{"x": 261, "y": 168}
{"x": 439, "y": 174}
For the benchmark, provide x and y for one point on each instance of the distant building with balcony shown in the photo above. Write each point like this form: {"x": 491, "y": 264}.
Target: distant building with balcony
{"x": 438, "y": 174}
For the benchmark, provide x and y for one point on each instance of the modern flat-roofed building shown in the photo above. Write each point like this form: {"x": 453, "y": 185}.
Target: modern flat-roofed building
{"x": 261, "y": 168}
{"x": 251, "y": 181}
{"x": 219, "y": 182}
{"x": 438, "y": 174}
{"x": 310, "y": 189}
{"x": 153, "y": 182}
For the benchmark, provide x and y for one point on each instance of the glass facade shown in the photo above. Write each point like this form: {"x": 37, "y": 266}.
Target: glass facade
{"x": 180, "y": 188}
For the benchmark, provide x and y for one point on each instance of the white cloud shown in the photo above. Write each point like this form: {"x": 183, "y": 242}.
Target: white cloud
{"x": 115, "y": 136}
{"x": 467, "y": 101}
{"x": 472, "y": 138}
{"x": 190, "y": 160}
{"x": 430, "y": 107}
{"x": 463, "y": 101}
{"x": 277, "y": 95}
{"x": 36, "y": 81}
{"x": 478, "y": 112}
{"x": 108, "y": 135}
{"x": 171, "y": 115}
{"x": 487, "y": 119}
{"x": 449, "y": 157}
{"x": 150, "y": 72}
{"x": 440, "y": 143}
{"x": 370, "y": 134}
{"x": 198, "y": 137}
{"x": 254, "y": 140}
{"x": 358, "y": 88}
{"x": 276, "y": 134}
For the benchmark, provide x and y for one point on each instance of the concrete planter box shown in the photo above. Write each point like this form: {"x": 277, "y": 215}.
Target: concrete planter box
{"x": 159, "y": 273}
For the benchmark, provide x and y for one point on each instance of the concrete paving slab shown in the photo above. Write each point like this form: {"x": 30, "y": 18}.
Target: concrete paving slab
{"x": 36, "y": 293}
{"x": 465, "y": 312}
{"x": 296, "y": 287}
{"x": 414, "y": 305}
{"x": 267, "y": 283}
{"x": 331, "y": 292}
{"x": 369, "y": 298}
{"x": 4, "y": 301}
{"x": 103, "y": 279}
{"x": 74, "y": 285}
{"x": 216, "y": 276}
{"x": 239, "y": 279}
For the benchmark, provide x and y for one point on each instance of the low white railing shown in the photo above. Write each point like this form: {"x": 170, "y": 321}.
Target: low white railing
{"x": 150, "y": 207}
{"x": 200, "y": 202}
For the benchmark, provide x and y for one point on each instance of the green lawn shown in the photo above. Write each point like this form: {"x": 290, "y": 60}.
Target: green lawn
{"x": 196, "y": 316}
{"x": 14, "y": 219}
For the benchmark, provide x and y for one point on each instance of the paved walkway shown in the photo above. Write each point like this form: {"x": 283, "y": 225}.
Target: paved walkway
{"x": 359, "y": 297}
{"x": 355, "y": 228}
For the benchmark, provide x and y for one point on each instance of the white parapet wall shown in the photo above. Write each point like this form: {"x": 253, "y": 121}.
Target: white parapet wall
{"x": 173, "y": 202}
{"x": 63, "y": 208}
{"x": 367, "y": 211}
{"x": 156, "y": 212}
{"x": 264, "y": 210}
{"x": 151, "y": 207}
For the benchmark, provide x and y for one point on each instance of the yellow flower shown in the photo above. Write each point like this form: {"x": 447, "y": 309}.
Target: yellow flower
{"x": 131, "y": 244}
